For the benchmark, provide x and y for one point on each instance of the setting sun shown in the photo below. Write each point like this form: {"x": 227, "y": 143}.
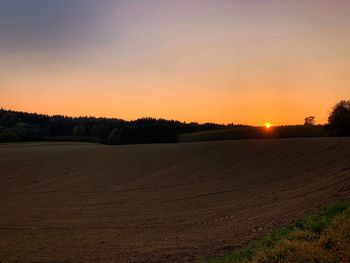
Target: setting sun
{"x": 267, "y": 125}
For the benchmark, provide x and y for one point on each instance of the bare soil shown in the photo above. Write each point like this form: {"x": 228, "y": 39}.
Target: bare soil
{"x": 75, "y": 202}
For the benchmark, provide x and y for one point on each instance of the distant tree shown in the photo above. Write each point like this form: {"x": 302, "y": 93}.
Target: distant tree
{"x": 79, "y": 130}
{"x": 339, "y": 119}
{"x": 93, "y": 130}
{"x": 9, "y": 119}
{"x": 310, "y": 120}
{"x": 113, "y": 137}
{"x": 9, "y": 136}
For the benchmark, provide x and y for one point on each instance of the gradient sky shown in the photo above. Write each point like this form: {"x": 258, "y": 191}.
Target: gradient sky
{"x": 241, "y": 61}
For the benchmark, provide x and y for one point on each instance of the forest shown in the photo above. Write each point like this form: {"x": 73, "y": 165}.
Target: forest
{"x": 18, "y": 126}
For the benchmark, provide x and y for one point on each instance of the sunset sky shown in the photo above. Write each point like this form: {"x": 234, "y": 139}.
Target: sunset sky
{"x": 240, "y": 61}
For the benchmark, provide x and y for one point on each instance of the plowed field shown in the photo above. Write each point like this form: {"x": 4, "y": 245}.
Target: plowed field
{"x": 71, "y": 202}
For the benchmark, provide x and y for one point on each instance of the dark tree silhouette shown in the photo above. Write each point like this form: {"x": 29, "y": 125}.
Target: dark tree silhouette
{"x": 79, "y": 130}
{"x": 310, "y": 120}
{"x": 113, "y": 137}
{"x": 339, "y": 119}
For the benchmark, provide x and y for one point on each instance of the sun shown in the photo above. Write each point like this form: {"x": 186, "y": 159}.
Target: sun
{"x": 268, "y": 125}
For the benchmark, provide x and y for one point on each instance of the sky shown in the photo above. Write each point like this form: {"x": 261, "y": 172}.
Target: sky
{"x": 223, "y": 61}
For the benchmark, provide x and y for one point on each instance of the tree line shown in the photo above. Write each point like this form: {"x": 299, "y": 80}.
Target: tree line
{"x": 18, "y": 126}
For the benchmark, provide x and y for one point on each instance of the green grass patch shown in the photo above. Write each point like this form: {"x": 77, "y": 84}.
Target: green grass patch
{"x": 322, "y": 237}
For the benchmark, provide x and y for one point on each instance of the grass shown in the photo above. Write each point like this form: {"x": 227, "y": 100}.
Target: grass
{"x": 238, "y": 133}
{"x": 322, "y": 237}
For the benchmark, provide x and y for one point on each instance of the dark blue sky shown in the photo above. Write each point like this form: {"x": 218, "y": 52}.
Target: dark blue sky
{"x": 36, "y": 24}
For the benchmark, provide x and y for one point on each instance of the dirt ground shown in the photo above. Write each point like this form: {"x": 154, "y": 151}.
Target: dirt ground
{"x": 74, "y": 202}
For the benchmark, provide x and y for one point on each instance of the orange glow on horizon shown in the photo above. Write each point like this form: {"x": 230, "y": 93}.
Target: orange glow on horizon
{"x": 193, "y": 61}
{"x": 268, "y": 125}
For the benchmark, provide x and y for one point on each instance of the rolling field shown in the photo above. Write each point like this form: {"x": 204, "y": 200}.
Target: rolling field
{"x": 72, "y": 202}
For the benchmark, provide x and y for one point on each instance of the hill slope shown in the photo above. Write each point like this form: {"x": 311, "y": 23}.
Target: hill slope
{"x": 166, "y": 202}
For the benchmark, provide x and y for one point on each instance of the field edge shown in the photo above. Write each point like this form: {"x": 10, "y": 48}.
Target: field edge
{"x": 324, "y": 235}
